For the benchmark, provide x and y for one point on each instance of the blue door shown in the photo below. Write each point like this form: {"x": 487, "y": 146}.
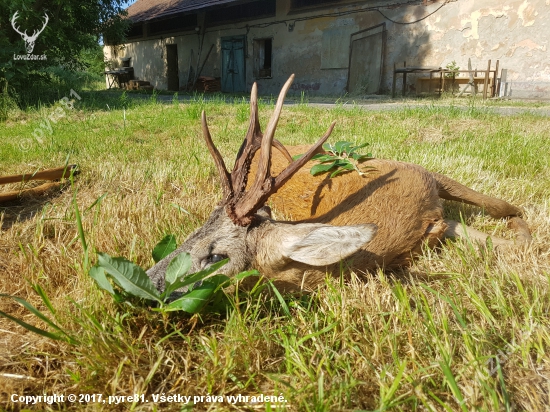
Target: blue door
{"x": 233, "y": 71}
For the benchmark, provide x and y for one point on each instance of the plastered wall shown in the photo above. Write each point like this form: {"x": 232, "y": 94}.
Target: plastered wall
{"x": 316, "y": 47}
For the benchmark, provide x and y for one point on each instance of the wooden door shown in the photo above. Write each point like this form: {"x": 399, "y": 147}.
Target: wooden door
{"x": 233, "y": 68}
{"x": 366, "y": 61}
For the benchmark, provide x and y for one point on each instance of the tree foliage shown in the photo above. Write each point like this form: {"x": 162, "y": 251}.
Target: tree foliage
{"x": 73, "y": 27}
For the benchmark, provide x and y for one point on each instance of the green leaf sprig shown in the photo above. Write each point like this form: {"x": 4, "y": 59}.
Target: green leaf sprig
{"x": 202, "y": 287}
{"x": 340, "y": 158}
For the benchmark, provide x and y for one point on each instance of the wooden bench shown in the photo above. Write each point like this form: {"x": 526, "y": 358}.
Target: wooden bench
{"x": 425, "y": 85}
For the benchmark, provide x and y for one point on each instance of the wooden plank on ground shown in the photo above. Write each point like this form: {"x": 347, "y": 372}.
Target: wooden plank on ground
{"x": 49, "y": 174}
{"x": 35, "y": 191}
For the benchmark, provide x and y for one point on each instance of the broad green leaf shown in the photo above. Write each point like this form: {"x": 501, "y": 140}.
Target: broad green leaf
{"x": 194, "y": 278}
{"x": 166, "y": 246}
{"x": 321, "y": 157}
{"x": 327, "y": 147}
{"x": 298, "y": 156}
{"x": 345, "y": 164}
{"x": 361, "y": 157}
{"x": 129, "y": 276}
{"x": 178, "y": 267}
{"x": 218, "y": 303}
{"x": 318, "y": 169}
{"x": 342, "y": 147}
{"x": 98, "y": 274}
{"x": 194, "y": 301}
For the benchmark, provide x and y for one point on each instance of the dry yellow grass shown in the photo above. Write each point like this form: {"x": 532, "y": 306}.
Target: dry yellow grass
{"x": 398, "y": 341}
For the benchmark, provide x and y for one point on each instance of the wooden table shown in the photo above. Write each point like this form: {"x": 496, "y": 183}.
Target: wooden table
{"x": 118, "y": 77}
{"x": 404, "y": 70}
{"x": 431, "y": 70}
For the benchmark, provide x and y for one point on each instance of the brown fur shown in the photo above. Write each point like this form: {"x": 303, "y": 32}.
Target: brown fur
{"x": 402, "y": 199}
{"x": 380, "y": 219}
{"x": 397, "y": 206}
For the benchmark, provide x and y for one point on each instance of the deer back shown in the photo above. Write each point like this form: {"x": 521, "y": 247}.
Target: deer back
{"x": 400, "y": 198}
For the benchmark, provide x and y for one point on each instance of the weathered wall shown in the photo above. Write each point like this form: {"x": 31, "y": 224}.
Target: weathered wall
{"x": 512, "y": 31}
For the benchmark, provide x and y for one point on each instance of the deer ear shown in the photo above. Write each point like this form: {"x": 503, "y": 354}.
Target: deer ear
{"x": 265, "y": 211}
{"x": 323, "y": 245}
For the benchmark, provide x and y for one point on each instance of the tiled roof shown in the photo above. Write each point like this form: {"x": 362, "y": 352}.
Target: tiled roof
{"x": 143, "y": 10}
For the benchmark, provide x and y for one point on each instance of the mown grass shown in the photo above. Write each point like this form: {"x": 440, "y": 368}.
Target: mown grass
{"x": 462, "y": 329}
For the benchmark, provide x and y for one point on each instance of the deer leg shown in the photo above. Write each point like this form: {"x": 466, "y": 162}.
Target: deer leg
{"x": 450, "y": 189}
{"x": 456, "y": 229}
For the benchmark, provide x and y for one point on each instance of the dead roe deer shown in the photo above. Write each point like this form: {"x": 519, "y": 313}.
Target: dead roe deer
{"x": 380, "y": 219}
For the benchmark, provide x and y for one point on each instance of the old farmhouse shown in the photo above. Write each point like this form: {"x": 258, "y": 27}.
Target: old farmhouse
{"x": 333, "y": 46}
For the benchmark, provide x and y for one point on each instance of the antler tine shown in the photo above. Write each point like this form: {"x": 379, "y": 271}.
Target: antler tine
{"x": 13, "y": 19}
{"x": 241, "y": 213}
{"x": 254, "y": 119}
{"x": 254, "y": 127}
{"x": 292, "y": 168}
{"x": 222, "y": 171}
{"x": 264, "y": 164}
{"x": 251, "y": 143}
{"x": 37, "y": 32}
{"x": 280, "y": 147}
{"x": 272, "y": 125}
{"x": 241, "y": 210}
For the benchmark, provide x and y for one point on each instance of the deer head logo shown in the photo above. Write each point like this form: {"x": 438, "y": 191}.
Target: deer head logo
{"x": 29, "y": 40}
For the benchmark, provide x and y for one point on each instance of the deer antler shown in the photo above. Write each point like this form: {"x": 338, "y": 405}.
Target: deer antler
{"x": 37, "y": 32}
{"x": 13, "y": 19}
{"x": 240, "y": 204}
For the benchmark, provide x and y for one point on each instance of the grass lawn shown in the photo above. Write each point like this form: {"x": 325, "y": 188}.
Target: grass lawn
{"x": 463, "y": 329}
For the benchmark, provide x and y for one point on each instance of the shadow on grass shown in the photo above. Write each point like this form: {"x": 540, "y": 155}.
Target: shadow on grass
{"x": 26, "y": 207}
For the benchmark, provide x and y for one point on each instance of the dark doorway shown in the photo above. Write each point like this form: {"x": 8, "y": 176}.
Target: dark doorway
{"x": 262, "y": 58}
{"x": 233, "y": 69}
{"x": 367, "y": 51}
{"x": 172, "y": 76}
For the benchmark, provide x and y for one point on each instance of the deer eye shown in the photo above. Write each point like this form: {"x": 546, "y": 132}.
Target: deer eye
{"x": 216, "y": 258}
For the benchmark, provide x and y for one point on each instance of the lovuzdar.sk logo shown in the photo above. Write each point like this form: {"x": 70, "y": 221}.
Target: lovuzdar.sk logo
{"x": 29, "y": 40}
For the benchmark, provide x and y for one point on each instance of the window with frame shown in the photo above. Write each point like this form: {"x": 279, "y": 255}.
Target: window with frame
{"x": 263, "y": 53}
